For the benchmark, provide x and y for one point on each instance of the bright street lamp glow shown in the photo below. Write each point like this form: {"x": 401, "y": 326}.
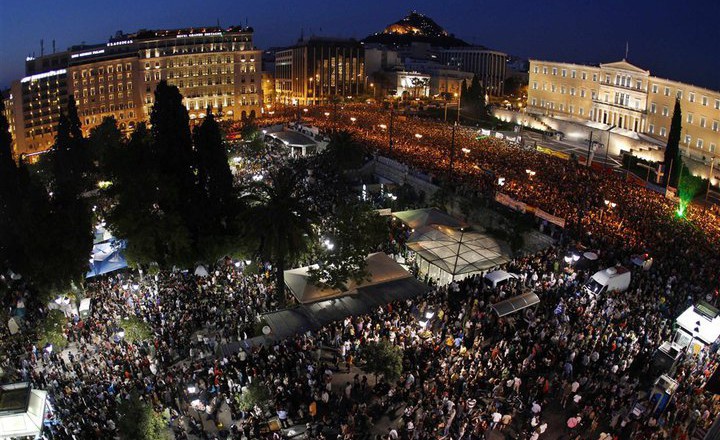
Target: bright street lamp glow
{"x": 383, "y": 126}
{"x": 418, "y": 135}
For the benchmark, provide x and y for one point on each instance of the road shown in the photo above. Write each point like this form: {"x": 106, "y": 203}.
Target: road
{"x": 580, "y": 148}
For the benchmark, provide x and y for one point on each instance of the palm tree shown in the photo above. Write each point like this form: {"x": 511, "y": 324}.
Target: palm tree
{"x": 279, "y": 217}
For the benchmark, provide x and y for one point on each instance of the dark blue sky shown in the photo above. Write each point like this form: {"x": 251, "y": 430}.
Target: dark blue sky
{"x": 673, "y": 39}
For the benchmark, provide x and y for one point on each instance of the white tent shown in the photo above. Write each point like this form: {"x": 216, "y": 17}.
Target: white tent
{"x": 201, "y": 271}
{"x": 382, "y": 269}
{"x": 447, "y": 254}
{"x": 22, "y": 411}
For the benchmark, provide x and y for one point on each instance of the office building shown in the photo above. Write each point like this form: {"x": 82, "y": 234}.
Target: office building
{"x": 488, "y": 65}
{"x": 318, "y": 69}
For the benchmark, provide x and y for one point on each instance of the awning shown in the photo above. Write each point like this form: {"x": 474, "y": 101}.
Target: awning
{"x": 515, "y": 304}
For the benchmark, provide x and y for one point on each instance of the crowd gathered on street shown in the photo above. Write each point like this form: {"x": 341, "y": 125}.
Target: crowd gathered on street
{"x": 583, "y": 359}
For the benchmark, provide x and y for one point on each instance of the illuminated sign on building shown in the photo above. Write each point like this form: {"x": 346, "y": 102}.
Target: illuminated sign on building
{"x": 201, "y": 34}
{"x": 43, "y": 75}
{"x": 119, "y": 43}
{"x": 88, "y": 53}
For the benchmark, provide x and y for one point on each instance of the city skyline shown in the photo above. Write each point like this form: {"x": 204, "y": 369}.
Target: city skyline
{"x": 655, "y": 42}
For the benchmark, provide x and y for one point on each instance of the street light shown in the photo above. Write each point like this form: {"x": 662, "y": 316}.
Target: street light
{"x": 383, "y": 126}
{"x": 327, "y": 114}
{"x": 418, "y": 135}
{"x": 610, "y": 204}
{"x": 353, "y": 119}
{"x": 530, "y": 173}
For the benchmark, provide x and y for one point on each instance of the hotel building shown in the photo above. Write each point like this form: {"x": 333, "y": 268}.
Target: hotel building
{"x": 626, "y": 99}
{"x": 212, "y": 67}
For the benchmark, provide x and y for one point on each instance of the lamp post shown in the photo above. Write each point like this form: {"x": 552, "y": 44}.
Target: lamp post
{"x": 452, "y": 151}
{"x": 457, "y": 254}
{"x": 707, "y": 190}
{"x": 610, "y": 205}
{"x": 390, "y": 139}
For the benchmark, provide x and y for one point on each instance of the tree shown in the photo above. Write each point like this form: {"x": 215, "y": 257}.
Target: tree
{"x": 139, "y": 421}
{"x": 344, "y": 152}
{"x": 671, "y": 162}
{"x": 354, "y": 231}
{"x": 70, "y": 231}
{"x": 279, "y": 220}
{"x": 473, "y": 99}
{"x": 105, "y": 143}
{"x": 145, "y": 211}
{"x": 256, "y": 393}
{"x": 217, "y": 195}
{"x": 383, "y": 358}
{"x": 10, "y": 197}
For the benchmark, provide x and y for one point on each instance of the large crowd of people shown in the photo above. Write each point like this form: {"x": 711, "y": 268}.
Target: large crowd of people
{"x": 582, "y": 359}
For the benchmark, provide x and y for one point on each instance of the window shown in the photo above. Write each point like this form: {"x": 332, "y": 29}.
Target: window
{"x": 715, "y": 125}
{"x": 679, "y": 94}
{"x": 702, "y": 122}
{"x": 652, "y": 108}
{"x": 717, "y": 104}
{"x": 536, "y": 70}
{"x": 583, "y": 75}
{"x": 544, "y": 70}
{"x": 561, "y": 107}
{"x": 651, "y": 129}
{"x": 571, "y": 109}
{"x": 662, "y": 131}
{"x": 562, "y": 90}
{"x": 534, "y": 102}
{"x": 554, "y": 70}
{"x": 595, "y": 77}
{"x": 654, "y": 88}
{"x": 535, "y": 86}
{"x": 699, "y": 143}
{"x": 573, "y": 74}
{"x": 689, "y": 118}
{"x": 564, "y": 73}
{"x": 581, "y": 111}
{"x": 691, "y": 97}
{"x": 582, "y": 93}
{"x": 704, "y": 101}
{"x": 665, "y": 111}
{"x": 667, "y": 91}
{"x": 552, "y": 87}
{"x": 712, "y": 148}
{"x": 572, "y": 91}
{"x": 688, "y": 138}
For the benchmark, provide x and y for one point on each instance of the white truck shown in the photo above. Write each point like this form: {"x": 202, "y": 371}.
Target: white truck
{"x": 612, "y": 279}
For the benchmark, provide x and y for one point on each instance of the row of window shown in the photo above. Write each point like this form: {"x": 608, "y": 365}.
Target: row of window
{"x": 89, "y": 73}
{"x": 564, "y": 73}
{"x": 690, "y": 97}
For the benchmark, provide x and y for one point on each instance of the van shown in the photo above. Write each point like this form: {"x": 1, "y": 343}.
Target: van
{"x": 498, "y": 278}
{"x": 612, "y": 279}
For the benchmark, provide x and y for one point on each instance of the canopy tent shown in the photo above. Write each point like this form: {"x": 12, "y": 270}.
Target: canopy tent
{"x": 417, "y": 218}
{"x": 201, "y": 271}
{"x": 381, "y": 269}
{"x": 701, "y": 322}
{"x": 106, "y": 257}
{"x": 515, "y": 304}
{"x": 22, "y": 411}
{"x": 455, "y": 254}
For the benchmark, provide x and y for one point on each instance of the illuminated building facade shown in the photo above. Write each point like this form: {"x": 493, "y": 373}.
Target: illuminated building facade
{"x": 628, "y": 98}
{"x": 315, "y": 70}
{"x": 488, "y": 65}
{"x": 213, "y": 67}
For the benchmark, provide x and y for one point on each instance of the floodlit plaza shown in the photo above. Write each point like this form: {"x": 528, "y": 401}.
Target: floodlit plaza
{"x": 381, "y": 238}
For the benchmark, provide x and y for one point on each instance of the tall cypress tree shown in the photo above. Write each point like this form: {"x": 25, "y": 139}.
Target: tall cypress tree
{"x": 215, "y": 187}
{"x": 9, "y": 197}
{"x": 672, "y": 156}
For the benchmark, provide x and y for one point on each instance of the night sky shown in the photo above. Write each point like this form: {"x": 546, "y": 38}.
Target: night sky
{"x": 677, "y": 40}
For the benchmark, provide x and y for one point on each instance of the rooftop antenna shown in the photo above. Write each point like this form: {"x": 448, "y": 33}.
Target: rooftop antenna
{"x": 53, "y": 45}
{"x": 218, "y": 22}
{"x": 42, "y": 47}
{"x": 627, "y": 49}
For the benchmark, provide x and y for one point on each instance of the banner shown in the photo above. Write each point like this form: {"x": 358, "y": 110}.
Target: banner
{"x": 549, "y": 217}
{"x": 511, "y": 203}
{"x": 552, "y": 152}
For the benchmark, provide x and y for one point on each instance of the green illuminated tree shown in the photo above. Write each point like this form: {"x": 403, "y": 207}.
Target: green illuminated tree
{"x": 383, "y": 359}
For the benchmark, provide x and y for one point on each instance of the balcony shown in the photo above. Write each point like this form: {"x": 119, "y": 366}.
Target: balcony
{"x": 620, "y": 86}
{"x": 618, "y": 106}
